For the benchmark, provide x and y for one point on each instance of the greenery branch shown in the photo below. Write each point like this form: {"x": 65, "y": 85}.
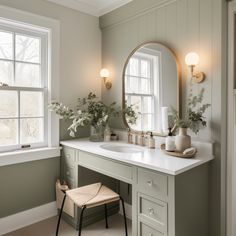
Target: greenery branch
{"x": 194, "y": 115}
{"x": 91, "y": 111}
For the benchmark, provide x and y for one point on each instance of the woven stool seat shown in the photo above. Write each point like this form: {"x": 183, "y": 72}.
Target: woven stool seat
{"x": 92, "y": 195}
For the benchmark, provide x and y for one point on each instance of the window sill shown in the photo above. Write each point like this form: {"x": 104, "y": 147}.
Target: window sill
{"x": 22, "y": 156}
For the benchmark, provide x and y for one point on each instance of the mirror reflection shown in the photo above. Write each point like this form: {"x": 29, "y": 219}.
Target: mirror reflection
{"x": 151, "y": 85}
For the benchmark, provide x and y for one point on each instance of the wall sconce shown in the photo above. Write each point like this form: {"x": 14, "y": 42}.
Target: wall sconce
{"x": 104, "y": 73}
{"x": 192, "y": 59}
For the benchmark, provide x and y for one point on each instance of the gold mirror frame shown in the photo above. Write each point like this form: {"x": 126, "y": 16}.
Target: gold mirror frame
{"x": 179, "y": 73}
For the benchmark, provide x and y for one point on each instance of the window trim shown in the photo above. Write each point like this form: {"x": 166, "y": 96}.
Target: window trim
{"x": 43, "y": 65}
{"x": 52, "y": 27}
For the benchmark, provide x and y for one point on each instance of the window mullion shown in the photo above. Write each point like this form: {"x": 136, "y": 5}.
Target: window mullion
{"x": 14, "y": 58}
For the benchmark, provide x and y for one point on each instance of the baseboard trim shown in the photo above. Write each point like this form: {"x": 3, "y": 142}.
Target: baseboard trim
{"x": 28, "y": 217}
{"x": 128, "y": 210}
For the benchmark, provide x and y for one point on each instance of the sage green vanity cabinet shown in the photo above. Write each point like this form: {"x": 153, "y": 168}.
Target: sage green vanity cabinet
{"x": 162, "y": 204}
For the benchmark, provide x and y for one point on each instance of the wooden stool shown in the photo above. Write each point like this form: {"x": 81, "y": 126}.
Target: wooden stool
{"x": 91, "y": 196}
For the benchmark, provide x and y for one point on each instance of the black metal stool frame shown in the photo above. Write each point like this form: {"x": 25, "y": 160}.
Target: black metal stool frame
{"x": 82, "y": 212}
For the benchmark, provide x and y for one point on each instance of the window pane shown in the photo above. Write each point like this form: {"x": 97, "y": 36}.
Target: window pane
{"x": 6, "y": 45}
{"x": 145, "y": 86}
{"x": 31, "y": 104}
{"x": 127, "y": 86}
{"x": 134, "y": 85}
{"x": 133, "y": 63}
{"x": 31, "y": 130}
{"x": 147, "y": 105}
{"x": 136, "y": 101}
{"x": 8, "y": 131}
{"x": 8, "y": 104}
{"x": 147, "y": 122}
{"x": 145, "y": 69}
{"x": 28, "y": 75}
{"x": 6, "y": 72}
{"x": 27, "y": 49}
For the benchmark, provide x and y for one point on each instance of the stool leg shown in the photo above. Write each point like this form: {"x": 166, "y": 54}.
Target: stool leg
{"x": 123, "y": 206}
{"x": 106, "y": 215}
{"x": 59, "y": 219}
{"x": 81, "y": 219}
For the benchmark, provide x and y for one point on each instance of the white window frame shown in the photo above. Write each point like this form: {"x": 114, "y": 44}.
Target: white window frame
{"x": 52, "y": 29}
{"x": 146, "y": 55}
{"x": 42, "y": 35}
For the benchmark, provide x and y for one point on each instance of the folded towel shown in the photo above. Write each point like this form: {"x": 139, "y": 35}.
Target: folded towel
{"x": 69, "y": 204}
{"x": 190, "y": 151}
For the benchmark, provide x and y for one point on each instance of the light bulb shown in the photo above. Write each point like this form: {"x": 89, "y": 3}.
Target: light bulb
{"x": 192, "y": 59}
{"x": 104, "y": 73}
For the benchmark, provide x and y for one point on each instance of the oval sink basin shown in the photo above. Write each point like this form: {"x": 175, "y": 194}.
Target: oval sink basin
{"x": 120, "y": 148}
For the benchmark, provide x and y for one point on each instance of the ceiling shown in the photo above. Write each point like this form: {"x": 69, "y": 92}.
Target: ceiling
{"x": 92, "y": 7}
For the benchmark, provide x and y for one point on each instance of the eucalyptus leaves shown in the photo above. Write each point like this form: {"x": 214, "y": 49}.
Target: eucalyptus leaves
{"x": 90, "y": 111}
{"x": 194, "y": 116}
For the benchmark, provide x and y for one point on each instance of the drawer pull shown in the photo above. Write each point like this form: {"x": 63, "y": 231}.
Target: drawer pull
{"x": 150, "y": 183}
{"x": 151, "y": 211}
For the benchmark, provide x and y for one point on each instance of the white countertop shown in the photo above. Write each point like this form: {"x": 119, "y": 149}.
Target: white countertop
{"x": 153, "y": 159}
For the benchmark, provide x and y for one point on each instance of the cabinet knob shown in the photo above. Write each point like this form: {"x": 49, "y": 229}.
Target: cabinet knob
{"x": 68, "y": 155}
{"x": 150, "y": 182}
{"x": 67, "y": 173}
{"x": 150, "y": 235}
{"x": 151, "y": 211}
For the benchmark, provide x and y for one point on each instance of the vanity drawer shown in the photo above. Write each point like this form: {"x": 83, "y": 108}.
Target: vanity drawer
{"x": 153, "y": 211}
{"x": 145, "y": 230}
{"x": 69, "y": 156}
{"x": 154, "y": 184}
{"x": 105, "y": 166}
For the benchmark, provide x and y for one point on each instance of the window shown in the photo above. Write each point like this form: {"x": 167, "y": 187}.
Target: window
{"x": 140, "y": 92}
{"x": 24, "y": 87}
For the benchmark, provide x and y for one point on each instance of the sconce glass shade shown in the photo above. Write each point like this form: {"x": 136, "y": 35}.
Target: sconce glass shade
{"x": 104, "y": 73}
{"x": 192, "y": 59}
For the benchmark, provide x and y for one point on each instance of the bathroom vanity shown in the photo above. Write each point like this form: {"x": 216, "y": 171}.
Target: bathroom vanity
{"x": 169, "y": 194}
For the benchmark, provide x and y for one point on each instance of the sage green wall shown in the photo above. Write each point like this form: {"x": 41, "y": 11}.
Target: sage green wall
{"x": 183, "y": 25}
{"x": 80, "y": 56}
{"x": 27, "y": 185}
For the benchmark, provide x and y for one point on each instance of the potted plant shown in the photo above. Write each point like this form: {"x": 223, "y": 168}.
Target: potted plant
{"x": 90, "y": 111}
{"x": 193, "y": 119}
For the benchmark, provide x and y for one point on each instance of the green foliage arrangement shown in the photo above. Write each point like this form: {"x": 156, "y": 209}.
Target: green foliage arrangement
{"x": 194, "y": 116}
{"x": 91, "y": 111}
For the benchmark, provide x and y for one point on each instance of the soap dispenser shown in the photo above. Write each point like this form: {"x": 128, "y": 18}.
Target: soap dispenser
{"x": 151, "y": 141}
{"x": 170, "y": 142}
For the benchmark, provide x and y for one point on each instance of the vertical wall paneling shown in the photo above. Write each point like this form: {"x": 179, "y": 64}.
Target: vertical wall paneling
{"x": 184, "y": 25}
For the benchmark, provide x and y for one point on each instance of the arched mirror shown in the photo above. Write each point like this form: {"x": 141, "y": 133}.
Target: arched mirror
{"x": 151, "y": 79}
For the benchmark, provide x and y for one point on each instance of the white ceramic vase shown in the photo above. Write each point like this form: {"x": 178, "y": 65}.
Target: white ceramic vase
{"x": 182, "y": 140}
